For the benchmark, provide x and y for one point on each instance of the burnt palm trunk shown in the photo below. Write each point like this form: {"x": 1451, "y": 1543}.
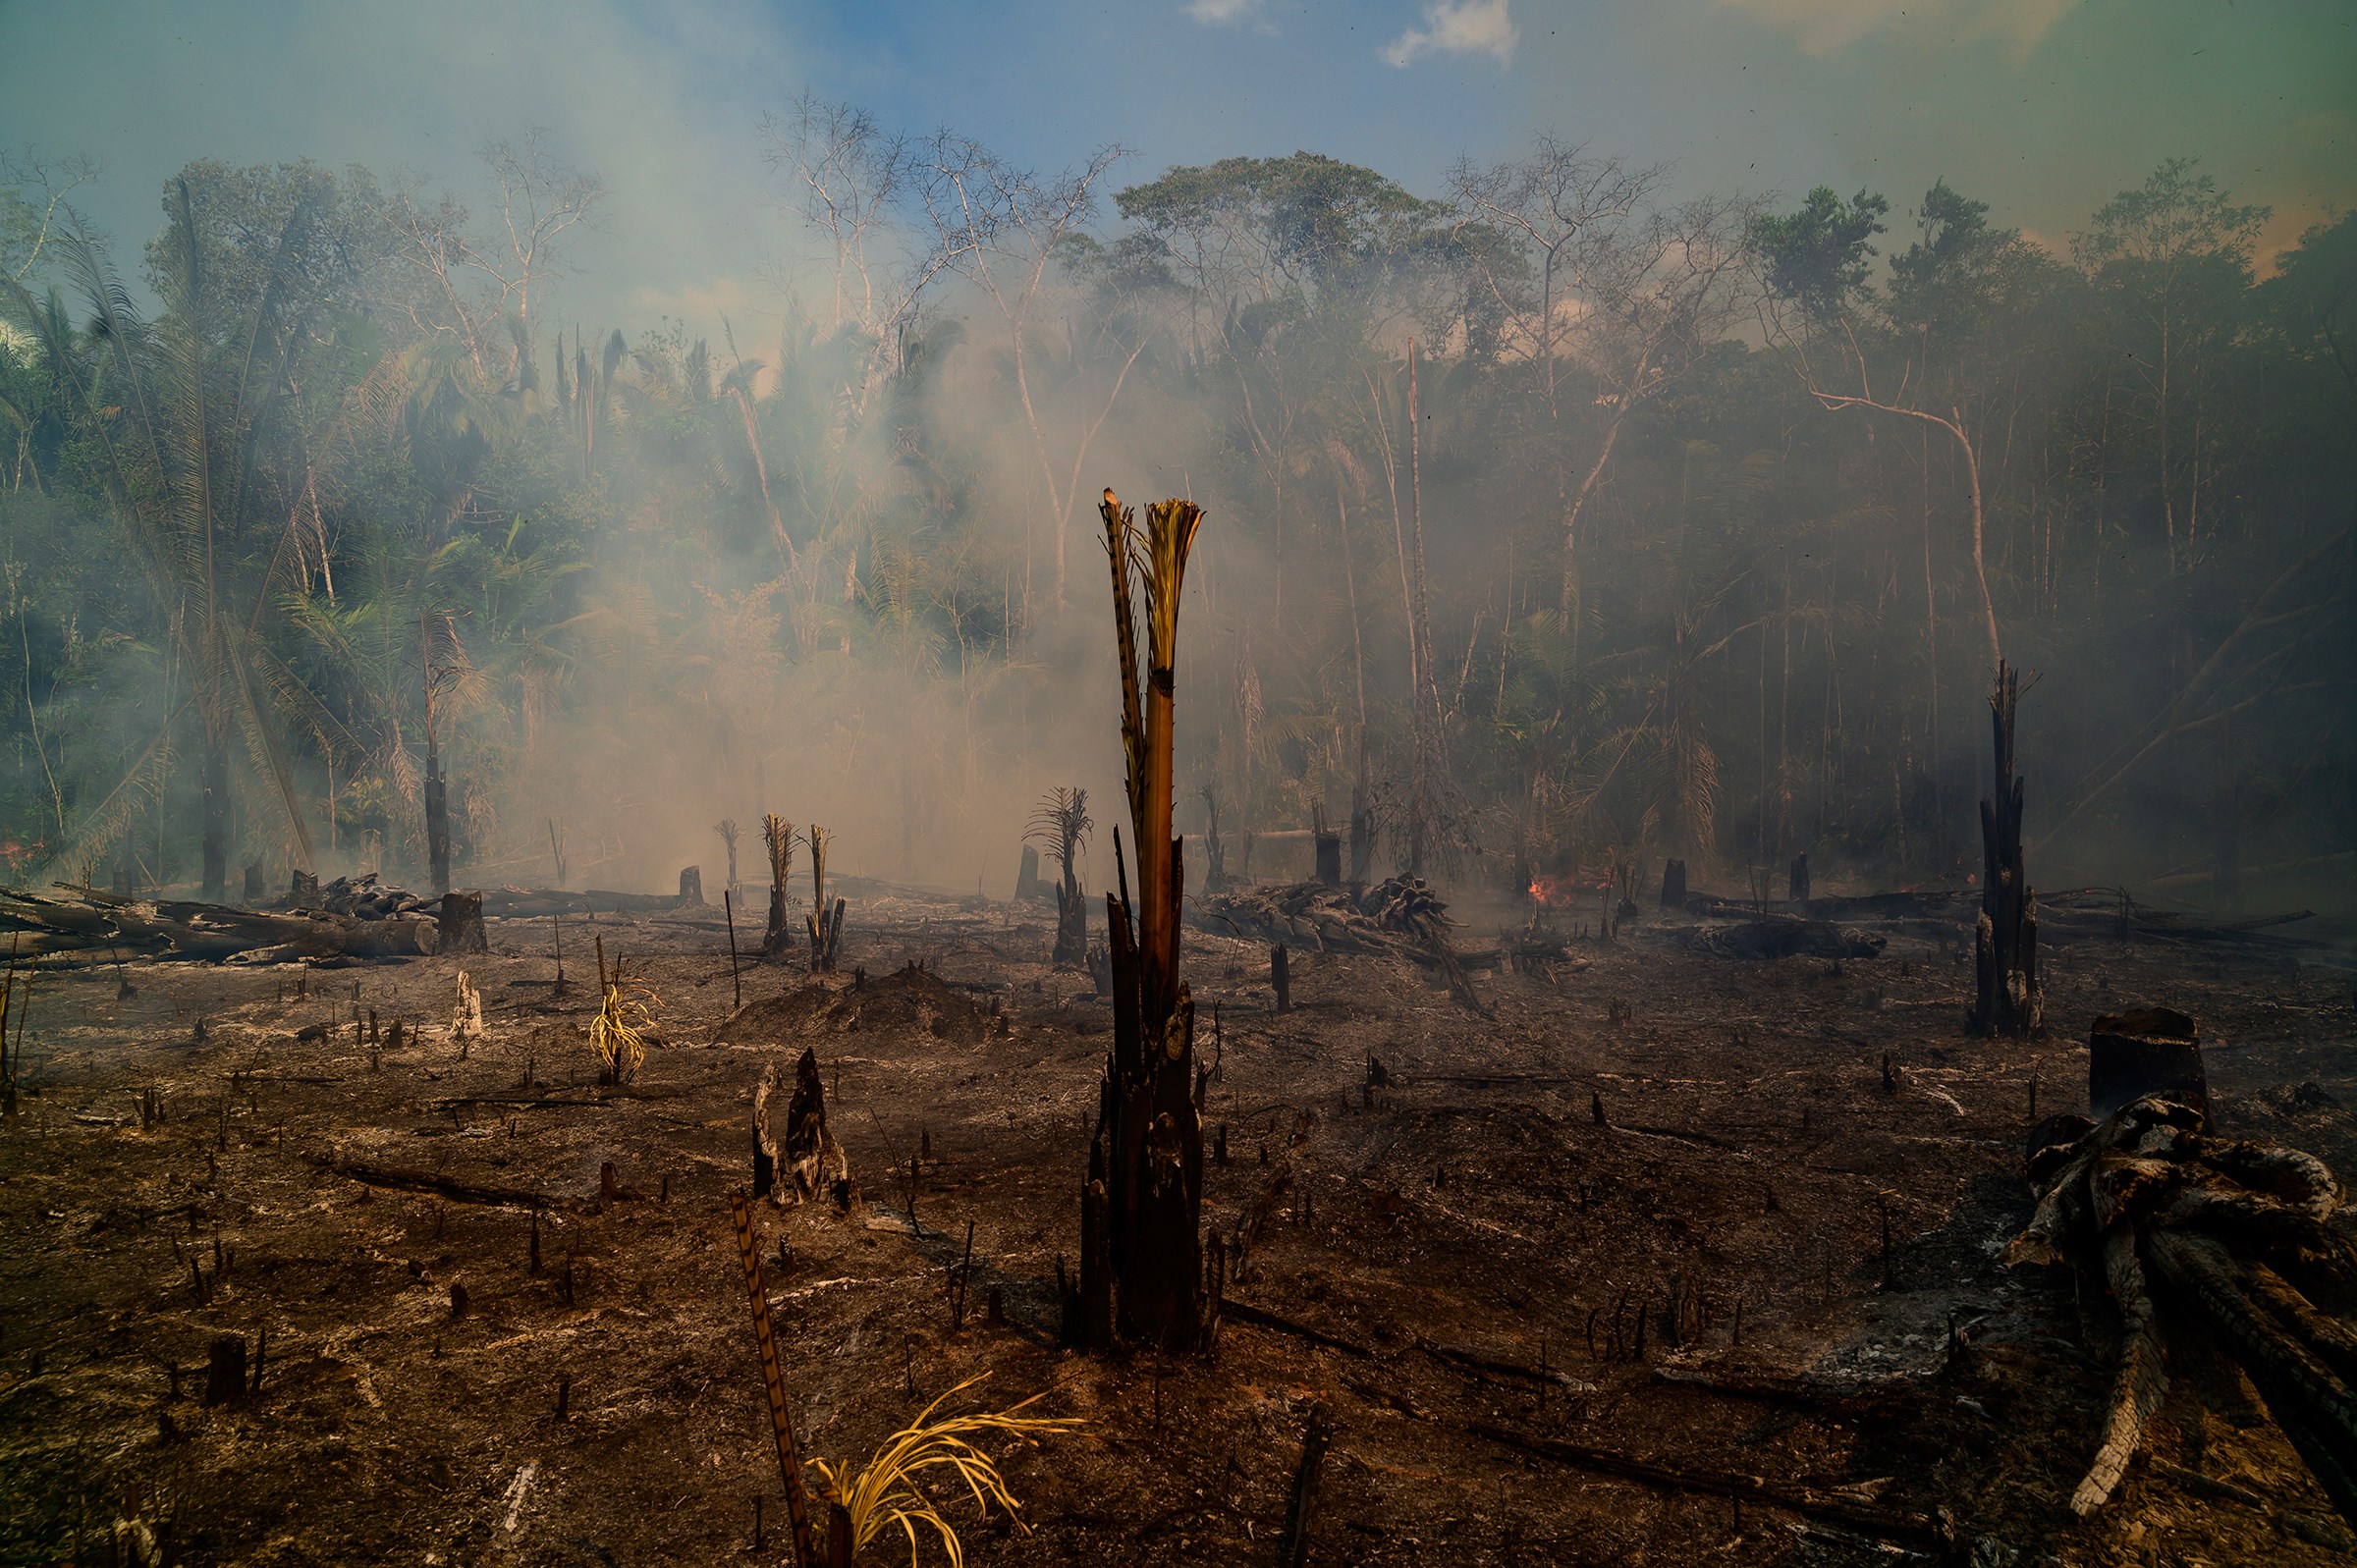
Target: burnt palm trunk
{"x": 1142, "y": 1277}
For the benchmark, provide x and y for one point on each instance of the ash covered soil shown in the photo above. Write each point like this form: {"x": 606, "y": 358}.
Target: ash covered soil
{"x": 1455, "y": 1263}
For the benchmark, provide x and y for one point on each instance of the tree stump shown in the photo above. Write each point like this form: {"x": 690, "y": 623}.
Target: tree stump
{"x": 801, "y": 1159}
{"x": 2150, "y": 1051}
{"x": 826, "y": 937}
{"x": 302, "y": 889}
{"x": 691, "y": 886}
{"x": 1673, "y": 885}
{"x": 1027, "y": 882}
{"x": 2006, "y": 999}
{"x": 253, "y": 885}
{"x": 1796, "y": 885}
{"x": 1292, "y": 1548}
{"x": 463, "y": 924}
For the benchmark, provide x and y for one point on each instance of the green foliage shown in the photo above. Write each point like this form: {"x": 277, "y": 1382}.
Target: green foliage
{"x": 1823, "y": 253}
{"x": 1676, "y": 601}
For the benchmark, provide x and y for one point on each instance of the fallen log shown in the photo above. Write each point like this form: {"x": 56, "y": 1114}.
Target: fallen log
{"x": 1797, "y": 1497}
{"x": 1235, "y": 1311}
{"x": 444, "y": 1186}
{"x": 1779, "y": 937}
{"x": 539, "y": 902}
{"x": 203, "y": 931}
{"x": 1498, "y": 1367}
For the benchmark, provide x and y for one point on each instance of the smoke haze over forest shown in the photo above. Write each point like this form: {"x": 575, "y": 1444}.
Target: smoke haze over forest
{"x": 1776, "y": 366}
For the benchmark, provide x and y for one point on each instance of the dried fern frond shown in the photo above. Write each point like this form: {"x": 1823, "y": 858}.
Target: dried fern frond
{"x": 888, "y": 1489}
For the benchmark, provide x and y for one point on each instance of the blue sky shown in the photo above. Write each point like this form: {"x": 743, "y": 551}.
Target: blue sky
{"x": 2044, "y": 107}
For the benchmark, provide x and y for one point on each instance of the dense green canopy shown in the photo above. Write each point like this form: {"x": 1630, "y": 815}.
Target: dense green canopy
{"x": 1710, "y": 519}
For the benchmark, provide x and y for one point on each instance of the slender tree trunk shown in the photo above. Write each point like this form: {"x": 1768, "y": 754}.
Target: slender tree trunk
{"x": 1931, "y": 613}
{"x": 1428, "y": 697}
{"x": 437, "y": 821}
{"x": 216, "y": 816}
{"x": 1980, "y": 566}
{"x": 1358, "y": 647}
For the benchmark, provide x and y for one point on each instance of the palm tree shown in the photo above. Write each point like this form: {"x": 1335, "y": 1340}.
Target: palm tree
{"x": 173, "y": 413}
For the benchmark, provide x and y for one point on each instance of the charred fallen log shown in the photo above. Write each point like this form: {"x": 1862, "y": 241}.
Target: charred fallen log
{"x": 1392, "y": 916}
{"x": 94, "y": 921}
{"x": 538, "y": 904}
{"x": 1779, "y": 937}
{"x": 1941, "y": 907}
{"x": 2234, "y": 1235}
{"x": 365, "y": 898}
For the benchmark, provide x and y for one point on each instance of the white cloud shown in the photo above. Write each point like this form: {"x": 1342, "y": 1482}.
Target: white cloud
{"x": 1823, "y": 26}
{"x": 1219, "y": 12}
{"x": 1457, "y": 27}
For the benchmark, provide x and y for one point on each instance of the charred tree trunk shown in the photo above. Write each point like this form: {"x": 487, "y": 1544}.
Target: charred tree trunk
{"x": 1796, "y": 885}
{"x": 437, "y": 821}
{"x": 1673, "y": 885}
{"x": 1141, "y": 1256}
{"x": 254, "y": 885}
{"x": 1071, "y": 924}
{"x": 2005, "y": 942}
{"x": 1216, "y": 876}
{"x": 1327, "y": 849}
{"x": 801, "y": 1159}
{"x": 216, "y": 817}
{"x": 691, "y": 886}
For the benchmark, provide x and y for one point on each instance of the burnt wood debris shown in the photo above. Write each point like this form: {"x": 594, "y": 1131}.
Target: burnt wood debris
{"x": 2006, "y": 997}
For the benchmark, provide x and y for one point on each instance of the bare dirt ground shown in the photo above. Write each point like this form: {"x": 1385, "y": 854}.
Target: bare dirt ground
{"x": 1471, "y": 1251}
